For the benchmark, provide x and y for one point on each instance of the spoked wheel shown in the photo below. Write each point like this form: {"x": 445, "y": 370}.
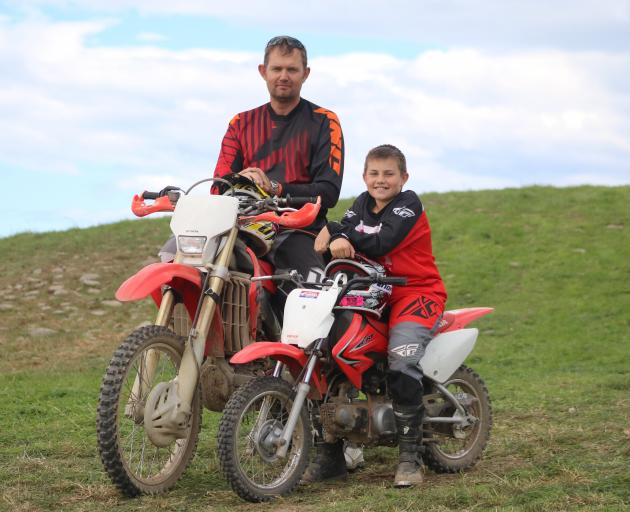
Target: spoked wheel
{"x": 452, "y": 447}
{"x": 253, "y": 418}
{"x": 150, "y": 356}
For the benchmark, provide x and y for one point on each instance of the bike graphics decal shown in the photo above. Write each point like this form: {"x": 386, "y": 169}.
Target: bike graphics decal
{"x": 422, "y": 307}
{"x": 309, "y": 294}
{"x": 363, "y": 342}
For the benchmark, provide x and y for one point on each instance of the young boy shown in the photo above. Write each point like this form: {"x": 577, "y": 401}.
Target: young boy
{"x": 390, "y": 226}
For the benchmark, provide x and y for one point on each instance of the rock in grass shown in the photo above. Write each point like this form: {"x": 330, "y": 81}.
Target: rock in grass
{"x": 5, "y": 306}
{"x": 41, "y": 332}
{"x": 90, "y": 279}
{"x": 111, "y": 303}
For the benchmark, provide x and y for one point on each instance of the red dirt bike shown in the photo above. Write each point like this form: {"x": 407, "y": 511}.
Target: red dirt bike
{"x": 334, "y": 344}
{"x": 210, "y": 306}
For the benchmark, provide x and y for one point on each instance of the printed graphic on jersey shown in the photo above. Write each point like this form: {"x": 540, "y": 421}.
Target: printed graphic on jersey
{"x": 422, "y": 307}
{"x": 335, "y": 139}
{"x": 406, "y": 350}
{"x": 349, "y": 214}
{"x": 404, "y": 212}
{"x": 370, "y": 230}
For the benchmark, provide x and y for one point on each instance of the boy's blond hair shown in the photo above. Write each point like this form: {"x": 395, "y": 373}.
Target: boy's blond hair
{"x": 386, "y": 151}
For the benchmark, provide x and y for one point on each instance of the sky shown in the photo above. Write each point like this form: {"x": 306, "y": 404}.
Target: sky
{"x": 102, "y": 99}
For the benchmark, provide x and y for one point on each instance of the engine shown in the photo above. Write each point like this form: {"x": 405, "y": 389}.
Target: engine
{"x": 368, "y": 421}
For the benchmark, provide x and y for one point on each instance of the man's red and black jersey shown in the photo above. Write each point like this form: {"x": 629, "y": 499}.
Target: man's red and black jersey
{"x": 398, "y": 237}
{"x": 302, "y": 150}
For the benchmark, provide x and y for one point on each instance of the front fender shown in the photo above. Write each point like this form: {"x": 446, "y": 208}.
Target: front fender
{"x": 292, "y": 356}
{"x": 184, "y": 279}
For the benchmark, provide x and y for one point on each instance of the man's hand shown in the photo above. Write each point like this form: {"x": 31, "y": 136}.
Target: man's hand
{"x": 322, "y": 240}
{"x": 257, "y": 176}
{"x": 341, "y": 248}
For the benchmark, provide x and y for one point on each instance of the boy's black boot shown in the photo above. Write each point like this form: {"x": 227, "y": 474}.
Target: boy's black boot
{"x": 408, "y": 425}
{"x": 329, "y": 463}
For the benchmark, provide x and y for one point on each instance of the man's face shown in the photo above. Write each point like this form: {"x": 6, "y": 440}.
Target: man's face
{"x": 284, "y": 74}
{"x": 383, "y": 179}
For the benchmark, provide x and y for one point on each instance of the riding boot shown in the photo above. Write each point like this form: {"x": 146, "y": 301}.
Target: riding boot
{"x": 409, "y": 425}
{"x": 329, "y": 463}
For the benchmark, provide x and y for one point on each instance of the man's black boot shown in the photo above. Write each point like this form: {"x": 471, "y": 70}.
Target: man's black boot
{"x": 409, "y": 425}
{"x": 329, "y": 463}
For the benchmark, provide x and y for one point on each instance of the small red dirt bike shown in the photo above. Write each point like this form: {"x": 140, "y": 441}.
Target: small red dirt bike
{"x": 150, "y": 404}
{"x": 334, "y": 344}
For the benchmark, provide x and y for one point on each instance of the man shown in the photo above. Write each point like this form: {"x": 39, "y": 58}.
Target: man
{"x": 288, "y": 146}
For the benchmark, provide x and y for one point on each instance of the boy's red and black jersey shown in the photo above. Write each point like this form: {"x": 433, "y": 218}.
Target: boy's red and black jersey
{"x": 398, "y": 237}
{"x": 302, "y": 150}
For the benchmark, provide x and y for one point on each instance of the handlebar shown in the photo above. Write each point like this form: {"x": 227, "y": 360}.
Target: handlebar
{"x": 166, "y": 199}
{"x": 357, "y": 281}
{"x": 394, "y": 281}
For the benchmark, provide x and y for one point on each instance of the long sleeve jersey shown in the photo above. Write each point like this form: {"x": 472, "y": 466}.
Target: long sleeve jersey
{"x": 398, "y": 237}
{"x": 302, "y": 150}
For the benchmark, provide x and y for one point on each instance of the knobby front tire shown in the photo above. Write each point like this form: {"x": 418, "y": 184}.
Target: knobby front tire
{"x": 133, "y": 463}
{"x": 253, "y": 470}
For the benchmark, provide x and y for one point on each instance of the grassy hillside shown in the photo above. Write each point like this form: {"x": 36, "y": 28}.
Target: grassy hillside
{"x": 555, "y": 263}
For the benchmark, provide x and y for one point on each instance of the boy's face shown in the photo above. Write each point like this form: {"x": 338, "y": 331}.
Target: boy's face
{"x": 383, "y": 179}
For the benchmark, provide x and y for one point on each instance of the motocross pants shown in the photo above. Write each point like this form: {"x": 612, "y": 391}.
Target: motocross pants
{"x": 413, "y": 321}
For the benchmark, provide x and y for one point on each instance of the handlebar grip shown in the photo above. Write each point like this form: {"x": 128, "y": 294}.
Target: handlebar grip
{"x": 300, "y": 201}
{"x": 150, "y": 195}
{"x": 395, "y": 281}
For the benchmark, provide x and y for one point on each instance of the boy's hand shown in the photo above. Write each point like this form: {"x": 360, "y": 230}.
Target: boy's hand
{"x": 322, "y": 240}
{"x": 341, "y": 248}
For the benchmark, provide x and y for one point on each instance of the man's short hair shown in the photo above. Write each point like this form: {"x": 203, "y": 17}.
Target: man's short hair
{"x": 286, "y": 44}
{"x": 387, "y": 151}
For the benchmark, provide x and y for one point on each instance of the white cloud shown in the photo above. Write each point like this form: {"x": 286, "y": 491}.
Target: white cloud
{"x": 150, "y": 37}
{"x": 499, "y": 24}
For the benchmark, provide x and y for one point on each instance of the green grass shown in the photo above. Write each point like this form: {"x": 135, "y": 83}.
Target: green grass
{"x": 555, "y": 263}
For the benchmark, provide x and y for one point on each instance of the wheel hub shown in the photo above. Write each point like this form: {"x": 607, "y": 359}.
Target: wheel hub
{"x": 267, "y": 440}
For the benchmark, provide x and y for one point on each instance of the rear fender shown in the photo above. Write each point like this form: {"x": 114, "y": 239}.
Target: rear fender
{"x": 446, "y": 352}
{"x": 290, "y": 355}
{"x": 185, "y": 280}
{"x": 458, "y": 318}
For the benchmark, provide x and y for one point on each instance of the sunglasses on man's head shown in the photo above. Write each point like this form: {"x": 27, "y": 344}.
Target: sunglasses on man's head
{"x": 289, "y": 41}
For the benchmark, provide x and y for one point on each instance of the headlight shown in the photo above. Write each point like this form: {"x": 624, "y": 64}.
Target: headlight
{"x": 191, "y": 244}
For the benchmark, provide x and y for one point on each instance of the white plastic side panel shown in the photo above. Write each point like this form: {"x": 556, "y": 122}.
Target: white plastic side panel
{"x": 446, "y": 352}
{"x": 307, "y": 316}
{"x": 209, "y": 216}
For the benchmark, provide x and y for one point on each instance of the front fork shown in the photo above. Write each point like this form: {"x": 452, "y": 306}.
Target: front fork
{"x": 303, "y": 388}
{"x": 188, "y": 374}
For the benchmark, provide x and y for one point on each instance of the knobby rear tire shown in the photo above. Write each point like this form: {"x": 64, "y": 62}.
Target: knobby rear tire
{"x": 112, "y": 420}
{"x": 439, "y": 456}
{"x": 240, "y": 463}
